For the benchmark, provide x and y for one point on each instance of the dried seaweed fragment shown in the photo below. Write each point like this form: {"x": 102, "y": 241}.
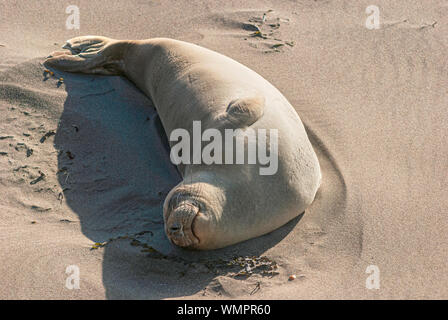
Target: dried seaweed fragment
{"x": 40, "y": 178}
{"x": 47, "y": 135}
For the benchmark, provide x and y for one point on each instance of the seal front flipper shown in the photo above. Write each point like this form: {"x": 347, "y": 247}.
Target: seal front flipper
{"x": 89, "y": 54}
{"x": 241, "y": 113}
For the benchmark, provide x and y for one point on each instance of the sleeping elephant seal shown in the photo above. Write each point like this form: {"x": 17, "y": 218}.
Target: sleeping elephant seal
{"x": 217, "y": 203}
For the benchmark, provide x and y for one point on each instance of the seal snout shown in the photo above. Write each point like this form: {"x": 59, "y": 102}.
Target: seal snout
{"x": 179, "y": 225}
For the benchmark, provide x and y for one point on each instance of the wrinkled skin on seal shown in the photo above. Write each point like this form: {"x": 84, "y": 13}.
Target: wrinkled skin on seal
{"x": 215, "y": 205}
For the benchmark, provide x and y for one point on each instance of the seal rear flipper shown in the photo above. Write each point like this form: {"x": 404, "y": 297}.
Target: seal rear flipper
{"x": 243, "y": 112}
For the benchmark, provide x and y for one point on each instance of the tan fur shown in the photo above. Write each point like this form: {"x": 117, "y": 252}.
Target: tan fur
{"x": 215, "y": 205}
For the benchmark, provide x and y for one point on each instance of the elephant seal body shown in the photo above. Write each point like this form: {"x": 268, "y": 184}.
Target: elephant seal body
{"x": 215, "y": 205}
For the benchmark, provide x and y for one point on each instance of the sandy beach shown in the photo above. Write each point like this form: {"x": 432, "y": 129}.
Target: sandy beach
{"x": 85, "y": 166}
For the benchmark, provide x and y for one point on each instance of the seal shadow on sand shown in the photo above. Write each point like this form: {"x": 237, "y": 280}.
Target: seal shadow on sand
{"x": 115, "y": 170}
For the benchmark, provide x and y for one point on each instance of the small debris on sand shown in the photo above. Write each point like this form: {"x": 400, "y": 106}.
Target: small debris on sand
{"x": 47, "y": 135}
{"x": 41, "y": 177}
{"x": 22, "y": 146}
{"x": 257, "y": 288}
{"x": 70, "y": 155}
{"x": 40, "y": 209}
{"x": 251, "y": 265}
{"x": 98, "y": 245}
{"x": 259, "y": 35}
{"x": 277, "y": 45}
{"x": 266, "y": 29}
{"x": 251, "y": 27}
